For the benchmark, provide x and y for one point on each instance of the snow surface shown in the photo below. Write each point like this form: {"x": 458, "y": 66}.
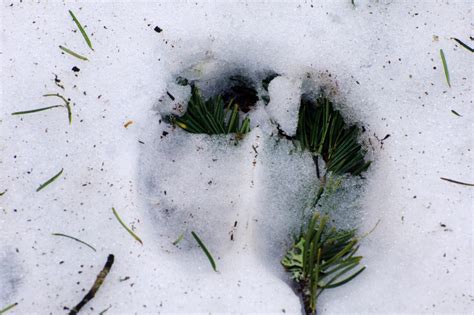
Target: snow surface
{"x": 285, "y": 98}
{"x": 380, "y": 61}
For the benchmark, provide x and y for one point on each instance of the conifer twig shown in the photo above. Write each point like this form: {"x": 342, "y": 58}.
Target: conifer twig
{"x": 96, "y": 286}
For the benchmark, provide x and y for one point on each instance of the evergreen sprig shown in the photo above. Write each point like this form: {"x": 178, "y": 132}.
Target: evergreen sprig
{"x": 322, "y": 130}
{"x": 211, "y": 116}
{"x": 322, "y": 258}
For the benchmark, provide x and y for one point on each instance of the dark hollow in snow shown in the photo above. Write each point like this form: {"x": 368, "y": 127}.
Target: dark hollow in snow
{"x": 242, "y": 91}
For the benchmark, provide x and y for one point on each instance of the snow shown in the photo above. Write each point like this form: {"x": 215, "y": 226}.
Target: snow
{"x": 380, "y": 62}
{"x": 285, "y": 98}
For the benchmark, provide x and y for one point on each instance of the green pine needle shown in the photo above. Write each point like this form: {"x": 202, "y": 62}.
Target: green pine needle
{"x": 322, "y": 130}
{"x": 211, "y": 116}
{"x": 463, "y": 45}
{"x": 204, "y": 249}
{"x": 135, "y": 236}
{"x": 76, "y": 239}
{"x": 66, "y": 104}
{"x": 30, "y": 111}
{"x": 72, "y": 53}
{"x": 445, "y": 67}
{"x": 49, "y": 181}
{"x": 322, "y": 258}
{"x": 9, "y": 307}
{"x": 81, "y": 29}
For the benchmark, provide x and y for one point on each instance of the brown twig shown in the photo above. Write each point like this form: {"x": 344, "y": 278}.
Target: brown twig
{"x": 98, "y": 282}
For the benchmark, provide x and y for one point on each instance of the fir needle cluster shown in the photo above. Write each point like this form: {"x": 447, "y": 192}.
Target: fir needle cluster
{"x": 322, "y": 130}
{"x": 211, "y": 116}
{"x": 322, "y": 258}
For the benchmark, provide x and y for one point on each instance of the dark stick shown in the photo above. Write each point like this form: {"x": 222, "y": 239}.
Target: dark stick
{"x": 315, "y": 159}
{"x": 170, "y": 95}
{"x": 98, "y": 282}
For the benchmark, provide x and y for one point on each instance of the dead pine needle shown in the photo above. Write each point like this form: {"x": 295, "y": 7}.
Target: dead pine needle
{"x": 456, "y": 182}
{"x": 76, "y": 239}
{"x": 445, "y": 67}
{"x": 49, "y": 181}
{"x": 204, "y": 249}
{"x": 104, "y": 311}
{"x": 96, "y": 286}
{"x": 9, "y": 307}
{"x": 179, "y": 239}
{"x": 81, "y": 29}
{"x": 126, "y": 227}
{"x": 72, "y": 53}
{"x": 128, "y": 123}
{"x": 371, "y": 230}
